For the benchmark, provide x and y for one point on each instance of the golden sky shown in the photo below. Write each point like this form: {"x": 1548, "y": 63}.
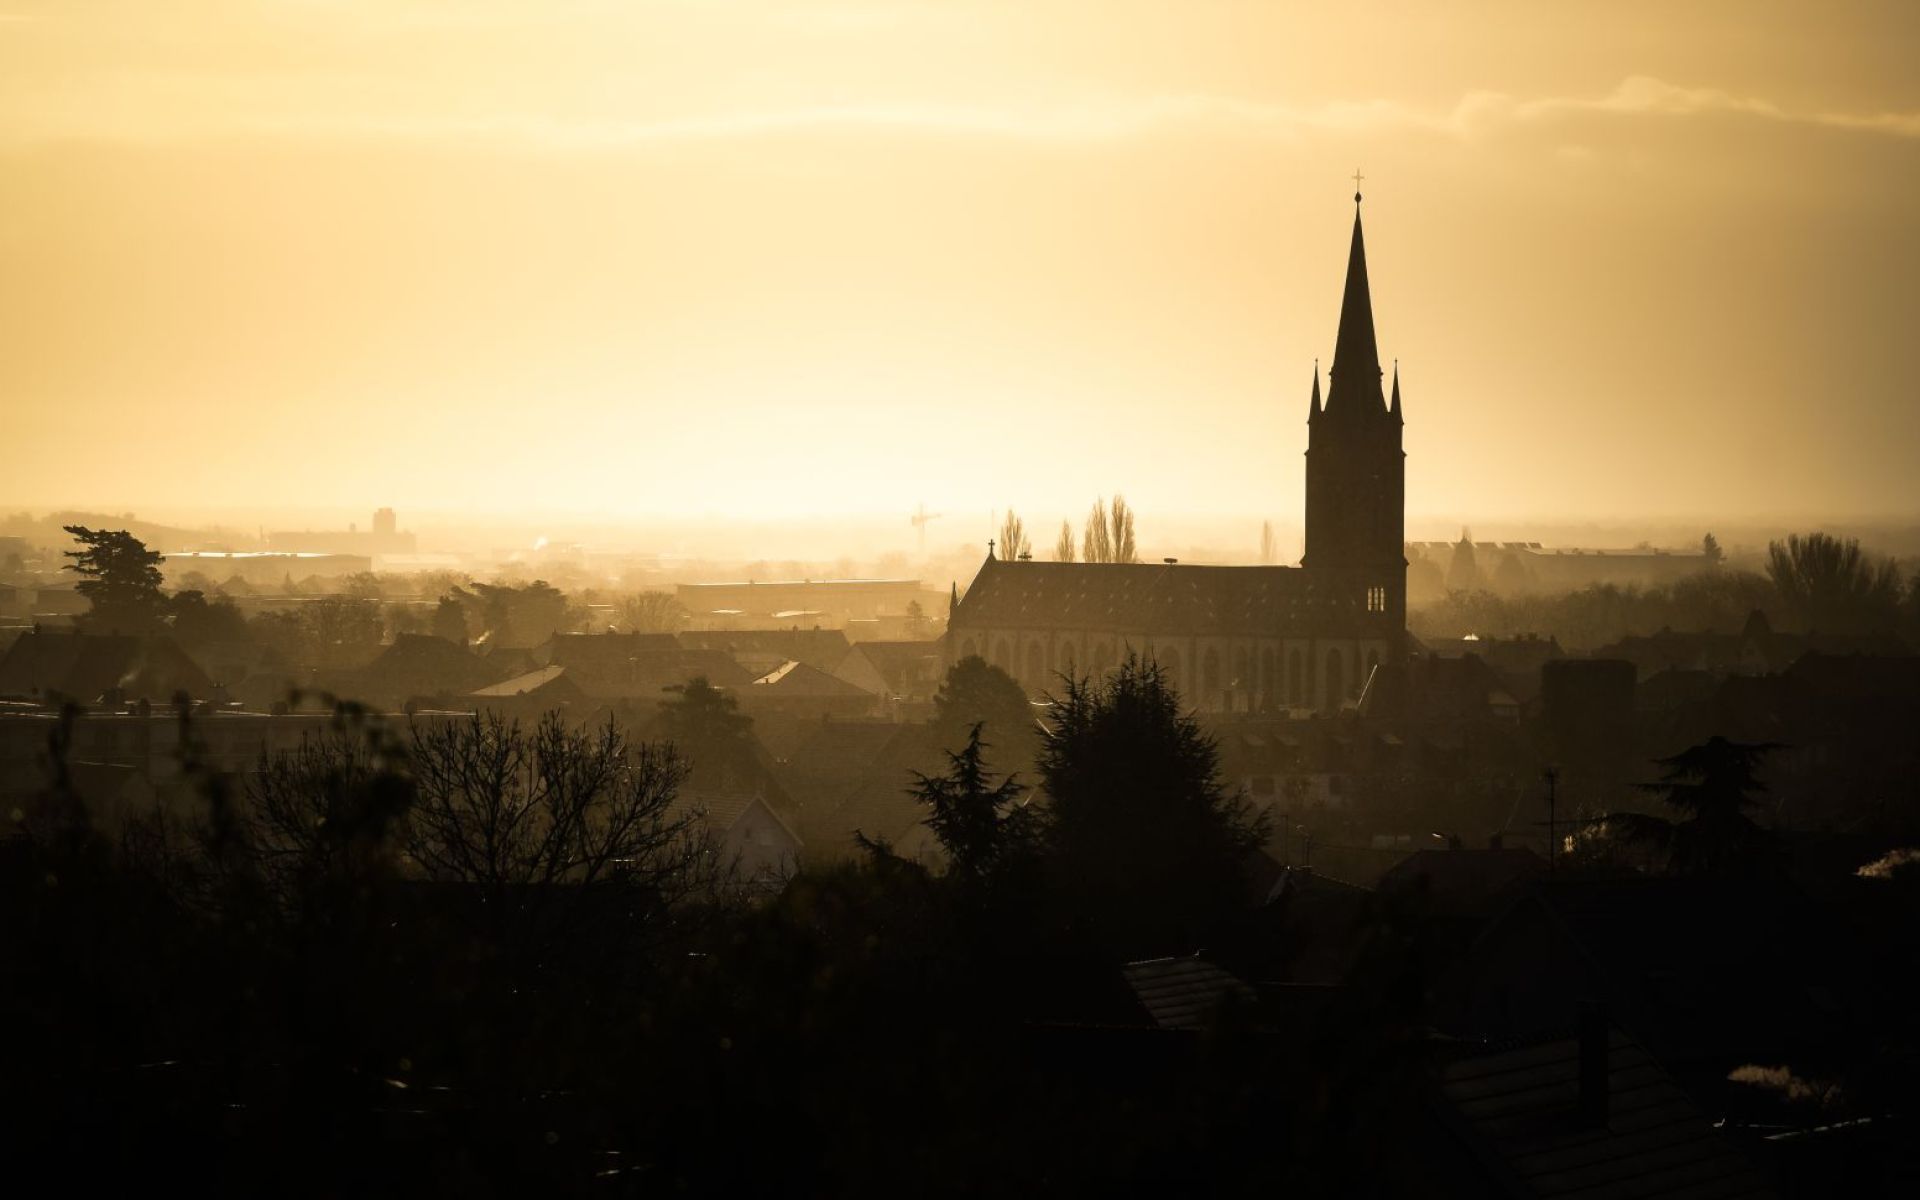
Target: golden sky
{"x": 650, "y": 257}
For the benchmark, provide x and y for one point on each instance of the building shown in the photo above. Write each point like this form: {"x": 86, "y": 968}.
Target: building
{"x": 1237, "y": 639}
{"x": 386, "y": 537}
{"x": 808, "y": 603}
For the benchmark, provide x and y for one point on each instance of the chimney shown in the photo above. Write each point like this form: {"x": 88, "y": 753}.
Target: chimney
{"x": 1595, "y": 1084}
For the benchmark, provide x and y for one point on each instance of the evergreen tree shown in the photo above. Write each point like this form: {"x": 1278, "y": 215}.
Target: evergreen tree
{"x": 120, "y": 579}
{"x": 981, "y": 824}
{"x": 977, "y": 693}
{"x": 1141, "y": 836}
{"x": 1712, "y": 785}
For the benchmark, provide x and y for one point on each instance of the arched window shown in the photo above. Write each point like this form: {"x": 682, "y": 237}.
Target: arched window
{"x": 1242, "y": 680}
{"x": 1210, "y": 677}
{"x": 1036, "y": 676}
{"x": 1336, "y": 679}
{"x": 1003, "y": 655}
{"x": 1296, "y": 678}
{"x": 1269, "y": 677}
{"x": 1169, "y": 661}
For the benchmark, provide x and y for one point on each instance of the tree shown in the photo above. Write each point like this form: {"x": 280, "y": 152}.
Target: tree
{"x": 341, "y": 630}
{"x": 977, "y": 693}
{"x": 1013, "y": 538}
{"x": 652, "y": 612}
{"x": 1120, "y": 536}
{"x": 1832, "y": 585}
{"x": 1095, "y": 543}
{"x": 1711, "y": 551}
{"x": 1063, "y": 546}
{"x": 1140, "y": 834}
{"x": 981, "y": 824}
{"x": 522, "y": 615}
{"x": 450, "y": 620}
{"x": 362, "y": 585}
{"x": 120, "y": 579}
{"x": 197, "y": 622}
{"x": 532, "y": 817}
{"x": 1712, "y": 785}
{"x": 709, "y": 729}
{"x": 1269, "y": 550}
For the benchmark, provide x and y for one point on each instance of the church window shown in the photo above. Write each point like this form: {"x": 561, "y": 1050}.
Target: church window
{"x": 1376, "y": 599}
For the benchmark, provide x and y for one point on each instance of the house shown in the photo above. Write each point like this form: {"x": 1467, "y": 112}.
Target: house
{"x": 46, "y": 665}
{"x": 819, "y": 648}
{"x": 532, "y": 693}
{"x": 1587, "y": 1112}
{"x": 421, "y": 665}
{"x": 852, "y": 777}
{"x": 1186, "y": 993}
{"x": 803, "y": 690}
{"x": 752, "y": 839}
{"x": 909, "y": 672}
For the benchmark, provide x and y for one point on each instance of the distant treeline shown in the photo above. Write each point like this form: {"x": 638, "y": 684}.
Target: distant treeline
{"x": 1811, "y": 582}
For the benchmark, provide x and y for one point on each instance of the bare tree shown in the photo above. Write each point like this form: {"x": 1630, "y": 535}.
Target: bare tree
{"x": 1063, "y": 548}
{"x": 652, "y": 612}
{"x": 1121, "y": 537}
{"x": 503, "y": 806}
{"x": 1832, "y": 585}
{"x": 1096, "y": 545}
{"x": 1013, "y": 538}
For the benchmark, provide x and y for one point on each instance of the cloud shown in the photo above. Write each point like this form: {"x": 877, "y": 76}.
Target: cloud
{"x": 1475, "y": 116}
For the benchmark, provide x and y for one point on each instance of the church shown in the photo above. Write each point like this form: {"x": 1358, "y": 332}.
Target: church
{"x": 1238, "y": 639}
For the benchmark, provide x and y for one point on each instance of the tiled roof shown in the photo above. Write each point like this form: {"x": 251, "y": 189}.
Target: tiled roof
{"x": 84, "y": 666}
{"x": 1520, "y": 1104}
{"x": 532, "y": 681}
{"x": 1129, "y": 597}
{"x": 1184, "y": 993}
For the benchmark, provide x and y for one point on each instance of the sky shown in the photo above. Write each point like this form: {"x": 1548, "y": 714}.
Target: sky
{"x": 779, "y": 258}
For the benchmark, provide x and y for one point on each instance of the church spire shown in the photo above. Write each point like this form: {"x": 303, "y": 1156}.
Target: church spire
{"x": 1313, "y": 404}
{"x": 1356, "y": 355}
{"x": 1394, "y": 408}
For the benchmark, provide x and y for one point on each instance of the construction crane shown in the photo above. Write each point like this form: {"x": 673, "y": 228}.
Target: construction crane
{"x": 920, "y": 518}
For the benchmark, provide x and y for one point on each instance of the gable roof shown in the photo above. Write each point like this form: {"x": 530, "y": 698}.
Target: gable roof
{"x": 822, "y": 648}
{"x": 419, "y": 663}
{"x": 87, "y": 666}
{"x": 1166, "y": 599}
{"x": 1517, "y": 1103}
{"x": 793, "y": 679}
{"x": 1184, "y": 993}
{"x": 548, "y": 682}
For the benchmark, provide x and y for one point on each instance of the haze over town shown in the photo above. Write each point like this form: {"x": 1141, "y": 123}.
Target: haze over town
{"x": 1076, "y": 597}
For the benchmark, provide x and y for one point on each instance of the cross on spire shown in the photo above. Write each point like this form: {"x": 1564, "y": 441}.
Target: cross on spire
{"x": 1357, "y": 177}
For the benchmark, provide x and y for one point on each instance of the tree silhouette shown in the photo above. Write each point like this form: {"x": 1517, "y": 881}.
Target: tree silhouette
{"x": 1711, "y": 551}
{"x": 1140, "y": 832}
{"x": 1832, "y": 586}
{"x": 120, "y": 579}
{"x": 1013, "y": 538}
{"x": 1712, "y": 785}
{"x": 450, "y": 621}
{"x": 976, "y": 693}
{"x": 1096, "y": 544}
{"x": 1063, "y": 547}
{"x": 981, "y": 824}
{"x": 1120, "y": 533}
{"x": 652, "y": 612}
{"x": 707, "y": 726}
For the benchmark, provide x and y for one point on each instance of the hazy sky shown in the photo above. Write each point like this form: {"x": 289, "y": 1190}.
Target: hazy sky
{"x": 642, "y": 257}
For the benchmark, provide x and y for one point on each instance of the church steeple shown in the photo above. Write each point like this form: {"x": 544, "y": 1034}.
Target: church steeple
{"x": 1313, "y": 403}
{"x": 1356, "y": 354}
{"x": 1394, "y": 408}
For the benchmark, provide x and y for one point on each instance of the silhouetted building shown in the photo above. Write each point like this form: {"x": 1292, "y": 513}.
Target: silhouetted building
{"x": 1238, "y": 638}
{"x": 384, "y": 538}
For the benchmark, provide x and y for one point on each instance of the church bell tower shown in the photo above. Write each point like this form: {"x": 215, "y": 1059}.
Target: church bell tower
{"x": 1356, "y": 468}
